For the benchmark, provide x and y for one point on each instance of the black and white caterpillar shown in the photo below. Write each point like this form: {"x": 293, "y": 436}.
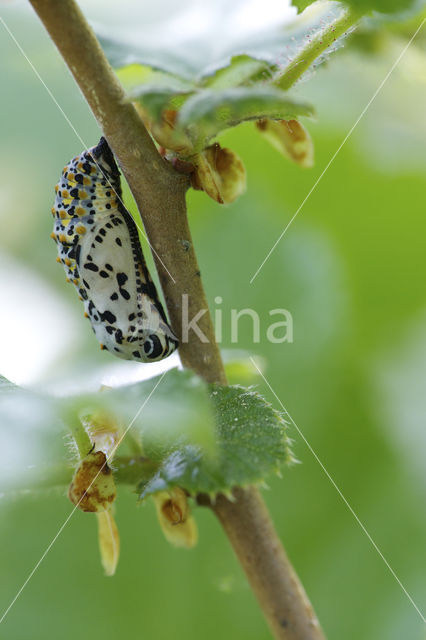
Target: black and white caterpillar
{"x": 99, "y": 247}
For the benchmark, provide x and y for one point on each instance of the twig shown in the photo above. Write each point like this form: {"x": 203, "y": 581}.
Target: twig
{"x": 315, "y": 47}
{"x": 271, "y": 576}
{"x": 159, "y": 193}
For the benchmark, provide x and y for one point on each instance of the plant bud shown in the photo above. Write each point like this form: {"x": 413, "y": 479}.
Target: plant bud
{"x": 220, "y": 173}
{"x": 109, "y": 541}
{"x": 104, "y": 430}
{"x": 93, "y": 488}
{"x": 168, "y": 135}
{"x": 290, "y": 138}
{"x": 178, "y": 525}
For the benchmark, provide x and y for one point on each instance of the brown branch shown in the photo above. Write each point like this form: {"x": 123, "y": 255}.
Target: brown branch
{"x": 278, "y": 589}
{"x": 159, "y": 193}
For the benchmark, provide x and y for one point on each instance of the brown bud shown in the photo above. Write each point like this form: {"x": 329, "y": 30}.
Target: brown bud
{"x": 178, "y": 525}
{"x": 290, "y": 138}
{"x": 168, "y": 135}
{"x": 93, "y": 488}
{"x": 220, "y": 173}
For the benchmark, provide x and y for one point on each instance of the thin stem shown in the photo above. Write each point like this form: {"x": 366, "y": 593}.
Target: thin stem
{"x": 271, "y": 576}
{"x": 316, "y": 47}
{"x": 80, "y": 435}
{"x": 159, "y": 193}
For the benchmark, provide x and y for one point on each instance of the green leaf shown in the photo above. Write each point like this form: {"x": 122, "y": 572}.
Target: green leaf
{"x": 301, "y": 4}
{"x": 155, "y": 99}
{"x": 209, "y": 112}
{"x": 158, "y": 90}
{"x": 173, "y": 407}
{"x": 227, "y": 39}
{"x": 203, "y": 438}
{"x": 240, "y": 71}
{"x": 31, "y": 433}
{"x": 382, "y": 6}
{"x": 251, "y": 443}
{"x": 364, "y": 6}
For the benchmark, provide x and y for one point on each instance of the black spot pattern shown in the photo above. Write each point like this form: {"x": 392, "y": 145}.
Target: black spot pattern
{"x": 109, "y": 270}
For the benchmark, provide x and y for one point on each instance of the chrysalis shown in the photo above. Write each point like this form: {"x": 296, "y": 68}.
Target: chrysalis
{"x": 99, "y": 247}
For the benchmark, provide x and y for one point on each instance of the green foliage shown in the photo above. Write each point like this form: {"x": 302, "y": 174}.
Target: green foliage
{"x": 209, "y": 112}
{"x": 365, "y": 6}
{"x": 251, "y": 443}
{"x": 212, "y": 91}
{"x": 351, "y": 271}
{"x": 202, "y": 58}
{"x": 30, "y": 433}
{"x": 175, "y": 408}
{"x": 201, "y": 438}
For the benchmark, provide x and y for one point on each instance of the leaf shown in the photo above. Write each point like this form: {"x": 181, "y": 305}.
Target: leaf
{"x": 202, "y": 438}
{"x": 364, "y": 6}
{"x": 31, "y": 434}
{"x": 241, "y": 70}
{"x": 173, "y": 407}
{"x": 301, "y": 4}
{"x": 251, "y": 443}
{"x": 156, "y": 99}
{"x": 161, "y": 91}
{"x": 235, "y": 36}
{"x": 209, "y": 112}
{"x": 382, "y": 6}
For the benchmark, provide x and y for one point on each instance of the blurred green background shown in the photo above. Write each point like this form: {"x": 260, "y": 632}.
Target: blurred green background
{"x": 351, "y": 270}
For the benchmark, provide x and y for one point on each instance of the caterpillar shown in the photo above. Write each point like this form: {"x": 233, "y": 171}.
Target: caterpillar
{"x": 99, "y": 247}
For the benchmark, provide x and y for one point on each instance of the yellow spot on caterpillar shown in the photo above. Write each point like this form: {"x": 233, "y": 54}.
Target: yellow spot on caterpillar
{"x": 65, "y": 193}
{"x": 62, "y": 238}
{"x": 58, "y": 259}
{"x": 71, "y": 177}
{"x": 87, "y": 180}
{"x": 75, "y": 281}
{"x": 56, "y": 188}
{"x": 80, "y": 165}
{"x": 67, "y": 262}
{"x": 82, "y": 194}
{"x": 80, "y": 229}
{"x": 102, "y": 346}
{"x": 80, "y": 298}
{"x": 53, "y": 211}
{"x": 86, "y": 315}
{"x": 62, "y": 214}
{"x": 80, "y": 211}
{"x": 67, "y": 280}
{"x": 67, "y": 200}
{"x": 52, "y": 235}
{"x": 93, "y": 169}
